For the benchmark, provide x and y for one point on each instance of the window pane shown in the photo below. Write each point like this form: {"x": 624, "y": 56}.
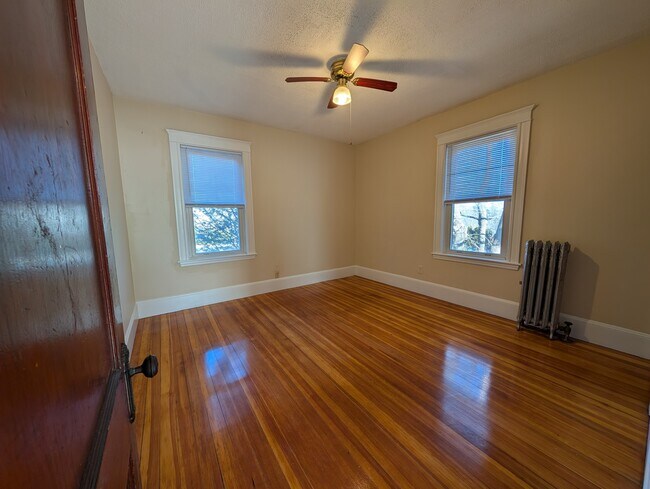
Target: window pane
{"x": 477, "y": 227}
{"x": 216, "y": 229}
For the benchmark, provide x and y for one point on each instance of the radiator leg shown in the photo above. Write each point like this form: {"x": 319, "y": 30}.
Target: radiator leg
{"x": 564, "y": 331}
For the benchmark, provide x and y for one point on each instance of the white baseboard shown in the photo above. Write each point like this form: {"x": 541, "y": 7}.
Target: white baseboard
{"x": 493, "y": 305}
{"x": 163, "y": 305}
{"x": 608, "y": 335}
{"x": 129, "y": 331}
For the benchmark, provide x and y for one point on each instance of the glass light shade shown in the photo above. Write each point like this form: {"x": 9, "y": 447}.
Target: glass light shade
{"x": 342, "y": 95}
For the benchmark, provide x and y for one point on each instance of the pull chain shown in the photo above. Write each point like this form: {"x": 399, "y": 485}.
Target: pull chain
{"x": 350, "y": 112}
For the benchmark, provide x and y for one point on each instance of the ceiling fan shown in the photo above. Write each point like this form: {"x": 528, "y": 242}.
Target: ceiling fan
{"x": 342, "y": 71}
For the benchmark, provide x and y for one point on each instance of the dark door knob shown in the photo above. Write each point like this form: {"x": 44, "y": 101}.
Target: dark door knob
{"x": 149, "y": 368}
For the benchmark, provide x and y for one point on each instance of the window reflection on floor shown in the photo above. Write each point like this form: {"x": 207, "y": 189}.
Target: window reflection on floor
{"x": 467, "y": 387}
{"x": 467, "y": 374}
{"x": 220, "y": 366}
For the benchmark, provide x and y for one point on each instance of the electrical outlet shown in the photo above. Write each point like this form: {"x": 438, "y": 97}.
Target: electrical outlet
{"x": 420, "y": 269}
{"x": 277, "y": 272}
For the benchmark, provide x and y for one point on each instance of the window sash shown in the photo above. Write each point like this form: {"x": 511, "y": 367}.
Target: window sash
{"x": 505, "y": 229}
{"x": 241, "y": 212}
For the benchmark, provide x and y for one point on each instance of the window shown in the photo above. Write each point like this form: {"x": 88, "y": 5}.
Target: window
{"x": 212, "y": 193}
{"x": 481, "y": 175}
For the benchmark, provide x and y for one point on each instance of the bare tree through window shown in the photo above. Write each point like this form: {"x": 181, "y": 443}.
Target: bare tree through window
{"x": 477, "y": 226}
{"x": 216, "y": 229}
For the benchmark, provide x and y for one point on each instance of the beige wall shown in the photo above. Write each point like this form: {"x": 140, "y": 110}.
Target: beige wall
{"x": 588, "y": 183}
{"x": 303, "y": 196}
{"x": 113, "y": 177}
{"x": 588, "y": 177}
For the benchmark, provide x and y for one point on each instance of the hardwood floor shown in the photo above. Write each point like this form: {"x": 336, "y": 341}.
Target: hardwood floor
{"x": 355, "y": 384}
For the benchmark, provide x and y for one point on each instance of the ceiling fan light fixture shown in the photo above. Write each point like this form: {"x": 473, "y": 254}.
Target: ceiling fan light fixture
{"x": 342, "y": 71}
{"x": 342, "y": 95}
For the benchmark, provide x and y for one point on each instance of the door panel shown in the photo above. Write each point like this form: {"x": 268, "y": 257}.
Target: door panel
{"x": 116, "y": 451}
{"x": 58, "y": 342}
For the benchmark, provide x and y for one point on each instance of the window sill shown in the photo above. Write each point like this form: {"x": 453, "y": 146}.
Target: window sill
{"x": 215, "y": 259}
{"x": 486, "y": 262}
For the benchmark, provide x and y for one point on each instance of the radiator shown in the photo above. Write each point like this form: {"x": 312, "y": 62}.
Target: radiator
{"x": 541, "y": 288}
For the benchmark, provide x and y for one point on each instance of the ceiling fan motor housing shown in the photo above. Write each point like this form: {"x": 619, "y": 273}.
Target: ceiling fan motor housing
{"x": 338, "y": 73}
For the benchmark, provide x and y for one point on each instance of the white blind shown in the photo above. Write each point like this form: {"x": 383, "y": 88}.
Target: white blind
{"x": 481, "y": 168}
{"x": 212, "y": 177}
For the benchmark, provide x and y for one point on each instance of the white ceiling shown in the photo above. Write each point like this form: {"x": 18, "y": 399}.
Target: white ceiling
{"x": 231, "y": 57}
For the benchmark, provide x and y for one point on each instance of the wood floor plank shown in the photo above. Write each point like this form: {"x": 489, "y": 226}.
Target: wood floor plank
{"x": 559, "y": 351}
{"x": 352, "y": 383}
{"x": 242, "y": 446}
{"x": 341, "y": 408}
{"x": 303, "y": 433}
{"x": 255, "y": 402}
{"x": 471, "y": 423}
{"x": 195, "y": 445}
{"x": 453, "y": 329}
{"x": 318, "y": 401}
{"x": 448, "y": 456}
{"x": 403, "y": 350}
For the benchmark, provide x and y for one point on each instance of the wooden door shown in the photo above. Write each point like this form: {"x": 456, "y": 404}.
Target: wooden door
{"x": 63, "y": 414}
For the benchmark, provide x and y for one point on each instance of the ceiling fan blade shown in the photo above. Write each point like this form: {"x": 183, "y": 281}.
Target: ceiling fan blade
{"x": 388, "y": 86}
{"x": 355, "y": 57}
{"x": 293, "y": 79}
{"x": 331, "y": 104}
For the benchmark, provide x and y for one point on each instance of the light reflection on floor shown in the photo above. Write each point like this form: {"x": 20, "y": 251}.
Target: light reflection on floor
{"x": 220, "y": 367}
{"x": 467, "y": 381}
{"x": 467, "y": 374}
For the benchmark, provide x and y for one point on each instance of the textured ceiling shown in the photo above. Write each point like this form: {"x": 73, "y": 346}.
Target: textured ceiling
{"x": 231, "y": 57}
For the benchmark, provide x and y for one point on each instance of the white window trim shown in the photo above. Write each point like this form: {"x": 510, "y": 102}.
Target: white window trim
{"x": 521, "y": 119}
{"x": 185, "y": 248}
